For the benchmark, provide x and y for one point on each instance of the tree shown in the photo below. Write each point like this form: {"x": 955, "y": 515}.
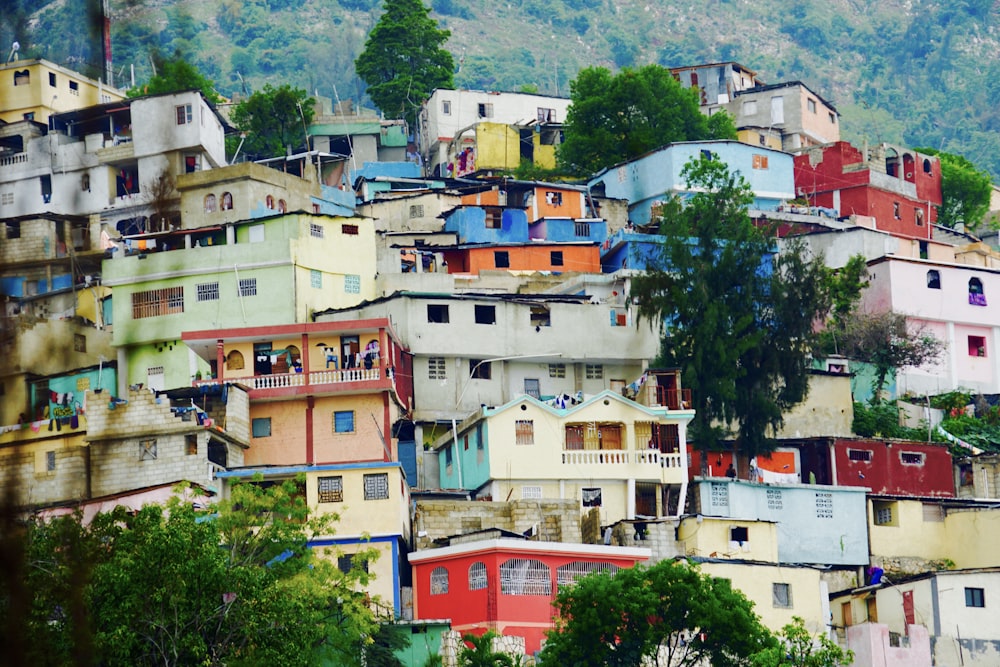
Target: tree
{"x": 613, "y": 118}
{"x": 273, "y": 120}
{"x": 478, "y": 652}
{"x": 403, "y": 62}
{"x": 236, "y": 584}
{"x": 738, "y": 320}
{"x": 798, "y": 648}
{"x": 888, "y": 342}
{"x": 670, "y": 613}
{"x": 174, "y": 75}
{"x": 965, "y": 191}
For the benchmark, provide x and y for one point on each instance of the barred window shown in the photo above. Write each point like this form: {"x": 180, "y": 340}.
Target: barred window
{"x": 525, "y": 576}
{"x": 781, "y": 595}
{"x": 331, "y": 489}
{"x": 859, "y": 455}
{"x": 352, "y": 284}
{"x": 147, "y": 450}
{"x": 531, "y": 493}
{"x": 416, "y": 210}
{"x": 524, "y": 430}
{"x": 568, "y": 574}
{"x": 315, "y": 279}
{"x": 439, "y": 581}
{"x": 207, "y": 291}
{"x": 911, "y": 458}
{"x": 377, "y": 486}
{"x": 350, "y": 230}
{"x": 248, "y": 287}
{"x": 594, "y": 371}
{"x": 315, "y": 230}
{"x": 166, "y": 301}
{"x": 557, "y": 370}
{"x": 50, "y": 460}
{"x": 477, "y": 576}
{"x": 436, "y": 368}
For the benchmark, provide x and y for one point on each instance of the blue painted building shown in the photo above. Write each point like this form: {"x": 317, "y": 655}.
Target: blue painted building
{"x": 655, "y": 177}
{"x": 478, "y": 224}
{"x": 628, "y": 249}
{"x": 565, "y": 230}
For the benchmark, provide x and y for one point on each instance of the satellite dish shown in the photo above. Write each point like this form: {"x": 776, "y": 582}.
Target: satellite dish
{"x": 14, "y": 48}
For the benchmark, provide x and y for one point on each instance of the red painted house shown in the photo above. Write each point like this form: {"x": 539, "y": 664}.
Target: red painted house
{"x": 506, "y": 585}
{"x": 898, "y": 187}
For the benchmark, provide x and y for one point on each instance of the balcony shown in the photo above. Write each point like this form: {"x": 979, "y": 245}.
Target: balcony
{"x": 673, "y": 399}
{"x": 316, "y": 381}
{"x": 644, "y": 464}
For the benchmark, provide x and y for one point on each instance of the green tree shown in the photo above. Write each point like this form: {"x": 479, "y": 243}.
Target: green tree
{"x": 403, "y": 62}
{"x": 478, "y": 652}
{"x": 739, "y": 320}
{"x": 965, "y": 191}
{"x": 613, "y": 118}
{"x": 272, "y": 121}
{"x": 799, "y": 648}
{"x": 236, "y": 584}
{"x": 174, "y": 75}
{"x": 669, "y": 613}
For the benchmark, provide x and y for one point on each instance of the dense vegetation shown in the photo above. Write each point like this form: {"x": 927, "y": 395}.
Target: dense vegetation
{"x": 921, "y": 73}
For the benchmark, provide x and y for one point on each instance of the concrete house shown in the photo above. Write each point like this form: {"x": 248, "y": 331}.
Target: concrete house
{"x": 606, "y": 451}
{"x": 648, "y": 181}
{"x": 716, "y": 84}
{"x": 35, "y": 89}
{"x": 255, "y": 272}
{"x": 804, "y": 118}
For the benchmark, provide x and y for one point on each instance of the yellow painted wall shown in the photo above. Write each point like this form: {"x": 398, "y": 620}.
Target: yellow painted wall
{"x": 545, "y": 154}
{"x": 752, "y": 136}
{"x": 336, "y": 255}
{"x": 909, "y": 536}
{"x": 709, "y": 537}
{"x": 357, "y": 515}
{"x": 287, "y": 442}
{"x": 972, "y": 538}
{"x": 498, "y": 146}
{"x": 380, "y": 571}
{"x": 38, "y": 96}
{"x": 364, "y": 444}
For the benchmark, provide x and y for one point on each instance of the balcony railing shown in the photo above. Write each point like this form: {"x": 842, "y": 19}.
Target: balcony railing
{"x": 643, "y": 457}
{"x": 674, "y": 399}
{"x": 285, "y": 380}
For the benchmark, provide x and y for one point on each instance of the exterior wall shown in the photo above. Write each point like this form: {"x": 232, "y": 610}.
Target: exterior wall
{"x": 828, "y": 409}
{"x": 535, "y": 257}
{"x": 886, "y": 473}
{"x": 383, "y": 585}
{"x": 978, "y": 477}
{"x": 414, "y": 211}
{"x": 652, "y": 178}
{"x": 557, "y": 520}
{"x": 569, "y": 230}
{"x": 157, "y": 131}
{"x": 24, "y": 460}
{"x": 756, "y": 136}
{"x": 757, "y": 580}
{"x": 709, "y": 537}
{"x": 498, "y": 147}
{"x": 800, "y": 125}
{"x": 41, "y": 98}
{"x": 873, "y": 648}
{"x": 51, "y": 346}
{"x": 716, "y": 83}
{"x": 469, "y": 224}
{"x": 806, "y": 516}
{"x": 357, "y": 514}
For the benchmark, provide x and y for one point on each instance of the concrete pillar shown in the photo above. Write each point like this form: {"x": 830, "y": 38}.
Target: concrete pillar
{"x": 630, "y": 499}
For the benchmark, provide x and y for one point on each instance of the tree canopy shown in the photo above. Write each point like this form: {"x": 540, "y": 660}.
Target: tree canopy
{"x": 965, "y": 191}
{"x": 617, "y": 117}
{"x": 403, "y": 62}
{"x": 273, "y": 120}
{"x": 233, "y": 584}
{"x": 799, "y": 648}
{"x": 669, "y": 612}
{"x": 739, "y": 319}
{"x": 174, "y": 75}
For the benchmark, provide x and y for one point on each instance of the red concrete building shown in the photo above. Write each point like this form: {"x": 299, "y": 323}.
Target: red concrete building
{"x": 898, "y": 187}
{"x": 506, "y": 585}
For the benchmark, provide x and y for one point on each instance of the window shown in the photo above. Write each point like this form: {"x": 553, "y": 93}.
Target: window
{"x": 833, "y": 118}
{"x": 553, "y": 198}
{"x": 977, "y": 297}
{"x": 50, "y": 461}
{"x": 594, "y": 371}
{"x": 824, "y": 505}
{"x": 315, "y": 231}
{"x": 781, "y": 595}
{"x": 977, "y": 346}
{"x": 315, "y": 279}
{"x": 352, "y": 284}
{"x": 261, "y": 427}
{"x": 524, "y": 432}
{"x": 191, "y": 444}
{"x": 859, "y": 455}
{"x": 933, "y": 279}
{"x": 750, "y": 107}
{"x": 485, "y": 110}
{"x": 480, "y": 370}
{"x": 227, "y": 201}
{"x": 248, "y": 287}
{"x": 416, "y": 210}
{"x": 532, "y": 387}
{"x": 546, "y": 115}
{"x": 255, "y": 233}
{"x": 574, "y": 437}
{"x": 570, "y": 573}
{"x": 449, "y": 457}
{"x": 591, "y": 497}
{"x": 556, "y": 258}
{"x": 494, "y": 217}
{"x": 927, "y": 166}
{"x": 501, "y": 259}
{"x": 759, "y": 161}
{"x": 895, "y": 210}
{"x": 183, "y": 114}
{"x": 525, "y": 576}
{"x": 79, "y": 343}
{"x": 166, "y": 301}
{"x": 22, "y": 78}
{"x": 911, "y": 458}
{"x": 349, "y": 230}
{"x": 13, "y": 228}
{"x": 811, "y": 105}
{"x": 282, "y": 206}
{"x": 974, "y": 597}
{"x": 477, "y": 576}
{"x": 557, "y": 370}
{"x": 348, "y": 562}
{"x": 343, "y": 421}
{"x": 377, "y": 486}
{"x": 147, "y": 450}
{"x": 7, "y": 199}
{"x": 932, "y": 512}
{"x": 330, "y": 489}
{"x": 918, "y": 215}
{"x": 207, "y": 292}
{"x": 884, "y": 514}
{"x": 439, "y": 581}
{"x": 52, "y": 79}
{"x": 486, "y": 315}
{"x": 269, "y": 202}
{"x": 234, "y": 361}
{"x": 539, "y": 316}
{"x": 74, "y": 88}
{"x": 446, "y": 107}
{"x": 739, "y": 534}
{"x": 531, "y": 493}
{"x": 436, "y": 369}
{"x": 437, "y": 313}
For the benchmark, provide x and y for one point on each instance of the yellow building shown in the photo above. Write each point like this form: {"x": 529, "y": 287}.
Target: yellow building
{"x": 719, "y": 537}
{"x": 35, "y": 89}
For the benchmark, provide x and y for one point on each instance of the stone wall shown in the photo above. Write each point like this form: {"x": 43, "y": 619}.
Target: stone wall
{"x": 556, "y": 520}
{"x": 25, "y": 473}
{"x": 658, "y": 536}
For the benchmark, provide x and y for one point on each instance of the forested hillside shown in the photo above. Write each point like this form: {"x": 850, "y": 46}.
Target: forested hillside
{"x": 918, "y": 72}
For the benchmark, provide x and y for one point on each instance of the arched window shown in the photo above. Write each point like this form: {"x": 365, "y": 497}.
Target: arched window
{"x": 567, "y": 574}
{"x": 927, "y": 166}
{"x": 439, "y": 581}
{"x": 269, "y": 202}
{"x": 227, "y": 201}
{"x": 477, "y": 576}
{"x": 282, "y": 206}
{"x": 210, "y": 203}
{"x": 976, "y": 295}
{"x": 525, "y": 576}
{"x": 234, "y": 360}
{"x": 933, "y": 279}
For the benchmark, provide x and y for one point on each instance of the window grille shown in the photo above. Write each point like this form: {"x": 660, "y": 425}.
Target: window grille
{"x": 525, "y": 576}
{"x": 477, "y": 576}
{"x": 331, "y": 489}
{"x": 377, "y": 486}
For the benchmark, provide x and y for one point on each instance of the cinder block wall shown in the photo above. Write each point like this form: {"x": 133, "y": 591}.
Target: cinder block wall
{"x": 555, "y": 520}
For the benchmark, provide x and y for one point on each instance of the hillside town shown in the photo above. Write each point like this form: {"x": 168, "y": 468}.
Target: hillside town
{"x": 450, "y": 360}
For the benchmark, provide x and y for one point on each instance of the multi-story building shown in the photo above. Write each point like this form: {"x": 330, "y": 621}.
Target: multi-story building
{"x": 802, "y": 117}
{"x": 33, "y": 90}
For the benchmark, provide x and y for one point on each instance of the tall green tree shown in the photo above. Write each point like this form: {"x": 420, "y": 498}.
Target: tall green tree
{"x": 965, "y": 191}
{"x": 478, "y": 652}
{"x": 234, "y": 584}
{"x": 617, "y": 117}
{"x": 739, "y": 319}
{"x": 669, "y": 614}
{"x": 799, "y": 648}
{"x": 403, "y": 62}
{"x": 272, "y": 121}
{"x": 174, "y": 75}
